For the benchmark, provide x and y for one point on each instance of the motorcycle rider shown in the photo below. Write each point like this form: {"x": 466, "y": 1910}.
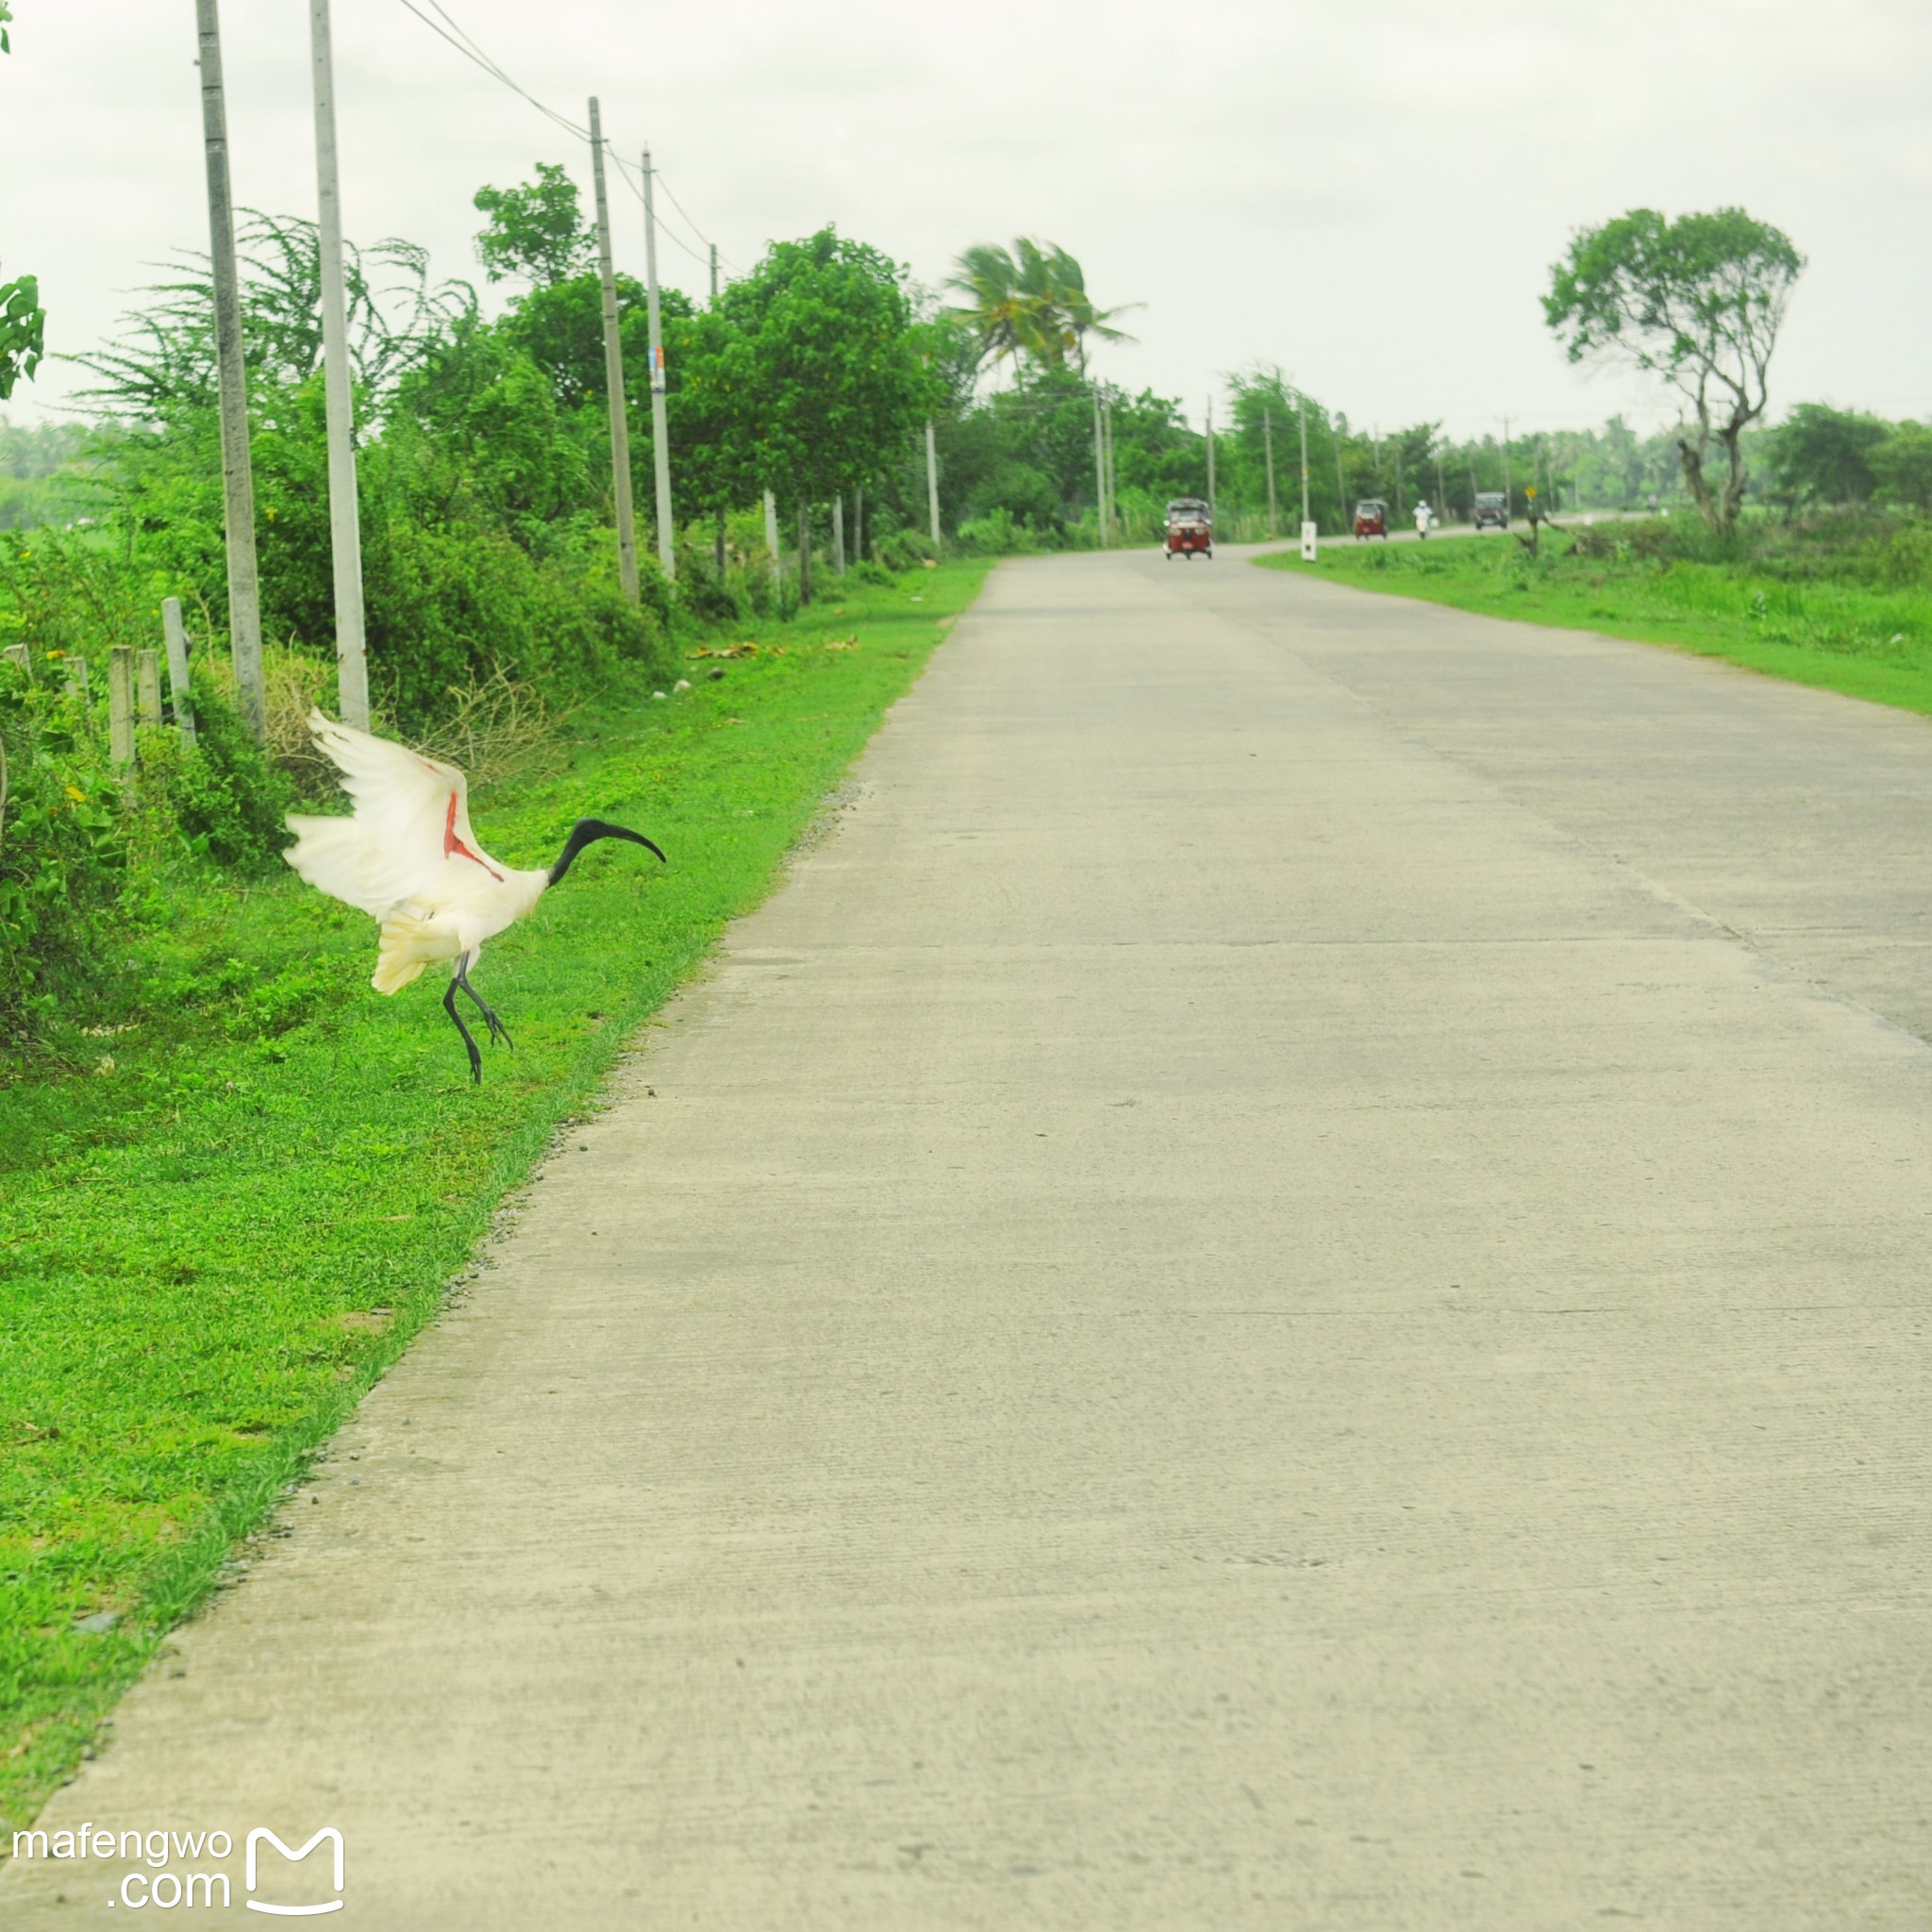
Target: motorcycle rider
{"x": 1425, "y": 517}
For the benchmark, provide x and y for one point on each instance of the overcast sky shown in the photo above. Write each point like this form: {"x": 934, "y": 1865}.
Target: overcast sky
{"x": 1369, "y": 196}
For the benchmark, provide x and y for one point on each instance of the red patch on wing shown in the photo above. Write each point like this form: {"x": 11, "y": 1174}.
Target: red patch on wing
{"x": 454, "y": 847}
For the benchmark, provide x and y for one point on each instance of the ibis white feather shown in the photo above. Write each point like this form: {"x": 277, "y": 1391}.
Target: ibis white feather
{"x": 408, "y": 857}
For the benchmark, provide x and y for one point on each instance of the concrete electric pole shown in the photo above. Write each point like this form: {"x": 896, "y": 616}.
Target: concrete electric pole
{"x": 1112, "y": 482}
{"x": 1308, "y": 544}
{"x": 238, "y": 475}
{"x": 932, "y": 481}
{"x": 344, "y": 518}
{"x": 1099, "y": 474}
{"x": 1268, "y": 445}
{"x": 1210, "y": 462}
{"x": 613, "y": 374}
{"x": 660, "y": 441}
{"x": 719, "y": 554}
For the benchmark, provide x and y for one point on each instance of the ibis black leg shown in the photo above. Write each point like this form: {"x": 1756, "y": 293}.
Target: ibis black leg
{"x": 449, "y": 1006}
{"x": 497, "y": 1029}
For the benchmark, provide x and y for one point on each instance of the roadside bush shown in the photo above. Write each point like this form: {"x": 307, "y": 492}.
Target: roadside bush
{"x": 906, "y": 550}
{"x": 63, "y": 853}
{"x": 1904, "y": 561}
{"x": 997, "y": 534}
{"x": 866, "y": 572}
{"x": 227, "y": 797}
{"x": 451, "y": 603}
{"x": 713, "y": 598}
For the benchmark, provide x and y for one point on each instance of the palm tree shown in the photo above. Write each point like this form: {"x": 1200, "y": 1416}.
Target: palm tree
{"x": 1031, "y": 301}
{"x": 1079, "y": 318}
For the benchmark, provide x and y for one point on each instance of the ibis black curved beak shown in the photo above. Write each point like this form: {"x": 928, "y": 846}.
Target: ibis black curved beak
{"x": 587, "y": 832}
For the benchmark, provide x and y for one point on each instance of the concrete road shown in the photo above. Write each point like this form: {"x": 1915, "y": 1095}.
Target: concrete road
{"x": 1285, "y": 1286}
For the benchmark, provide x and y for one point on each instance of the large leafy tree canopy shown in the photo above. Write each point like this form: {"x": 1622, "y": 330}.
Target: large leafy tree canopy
{"x": 536, "y": 232}
{"x": 1820, "y": 454}
{"x": 1031, "y": 301}
{"x": 23, "y": 323}
{"x": 817, "y": 371}
{"x": 1698, "y": 301}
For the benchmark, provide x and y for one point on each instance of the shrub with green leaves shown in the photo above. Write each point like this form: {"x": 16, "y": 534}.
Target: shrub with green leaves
{"x": 63, "y": 850}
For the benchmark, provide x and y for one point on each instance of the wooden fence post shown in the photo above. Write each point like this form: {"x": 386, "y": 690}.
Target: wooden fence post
{"x": 77, "y": 680}
{"x": 148, "y": 686}
{"x": 178, "y": 688}
{"x": 120, "y": 704}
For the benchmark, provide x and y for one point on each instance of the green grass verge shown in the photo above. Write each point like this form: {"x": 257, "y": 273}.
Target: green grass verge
{"x": 211, "y": 1245}
{"x": 1863, "y": 641}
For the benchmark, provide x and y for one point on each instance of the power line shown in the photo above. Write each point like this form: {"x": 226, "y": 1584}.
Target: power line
{"x": 624, "y": 168}
{"x": 475, "y": 55}
{"x": 451, "y": 31}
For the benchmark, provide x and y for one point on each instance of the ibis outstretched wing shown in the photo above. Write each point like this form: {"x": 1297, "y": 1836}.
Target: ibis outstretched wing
{"x": 410, "y": 838}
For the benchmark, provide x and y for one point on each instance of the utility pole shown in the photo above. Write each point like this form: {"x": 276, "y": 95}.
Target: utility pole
{"x": 613, "y": 375}
{"x": 719, "y": 546}
{"x": 1106, "y": 448}
{"x": 1441, "y": 494}
{"x": 1099, "y": 472}
{"x": 1210, "y": 462}
{"x": 1304, "y": 402}
{"x": 660, "y": 441}
{"x": 839, "y": 534}
{"x": 805, "y": 553}
{"x": 238, "y": 475}
{"x": 1508, "y": 489}
{"x": 932, "y": 481}
{"x": 344, "y": 519}
{"x": 1307, "y": 521}
{"x": 1340, "y": 487}
{"x": 771, "y": 536}
{"x": 1268, "y": 444}
{"x": 1398, "y": 479}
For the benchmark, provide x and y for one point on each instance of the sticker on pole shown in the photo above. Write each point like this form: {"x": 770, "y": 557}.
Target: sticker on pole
{"x": 1307, "y": 543}
{"x": 658, "y": 369}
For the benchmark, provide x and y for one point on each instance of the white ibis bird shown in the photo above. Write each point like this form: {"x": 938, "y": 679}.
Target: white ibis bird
{"x": 407, "y": 858}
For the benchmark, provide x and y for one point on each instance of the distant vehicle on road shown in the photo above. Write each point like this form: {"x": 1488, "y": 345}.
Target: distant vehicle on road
{"x": 1491, "y": 506}
{"x": 1190, "y": 529}
{"x": 1372, "y": 518}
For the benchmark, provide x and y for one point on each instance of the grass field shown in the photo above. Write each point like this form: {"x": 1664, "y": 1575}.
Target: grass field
{"x": 216, "y": 1239}
{"x": 1865, "y": 638}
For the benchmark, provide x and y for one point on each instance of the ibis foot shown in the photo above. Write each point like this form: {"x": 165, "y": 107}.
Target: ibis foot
{"x": 449, "y": 1006}
{"x": 497, "y": 1029}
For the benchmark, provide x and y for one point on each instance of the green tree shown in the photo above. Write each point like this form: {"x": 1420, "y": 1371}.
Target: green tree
{"x": 1822, "y": 454}
{"x": 561, "y": 327}
{"x": 817, "y": 375}
{"x": 1031, "y": 301}
{"x": 23, "y": 331}
{"x": 1699, "y": 301}
{"x": 1902, "y": 465}
{"x": 22, "y": 322}
{"x": 536, "y": 231}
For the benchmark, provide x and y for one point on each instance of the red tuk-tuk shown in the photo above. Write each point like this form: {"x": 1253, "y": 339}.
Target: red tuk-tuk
{"x": 1190, "y": 529}
{"x": 1372, "y": 518}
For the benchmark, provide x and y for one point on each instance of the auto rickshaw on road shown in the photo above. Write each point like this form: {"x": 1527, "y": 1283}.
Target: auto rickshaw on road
{"x": 1190, "y": 529}
{"x": 1372, "y": 518}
